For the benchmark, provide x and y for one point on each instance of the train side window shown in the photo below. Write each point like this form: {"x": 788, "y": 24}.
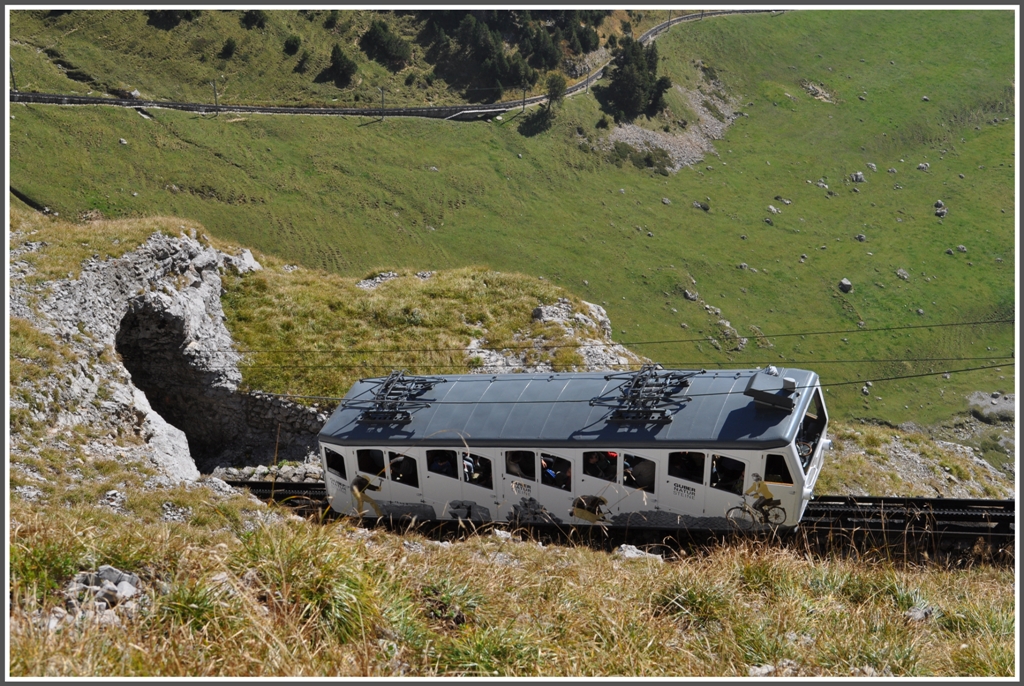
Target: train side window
{"x": 686, "y": 466}
{"x": 727, "y": 474}
{"x": 370, "y": 461}
{"x": 555, "y": 471}
{"x": 520, "y": 463}
{"x": 477, "y": 470}
{"x": 443, "y": 462}
{"x": 335, "y": 462}
{"x": 600, "y": 464}
{"x": 776, "y": 471}
{"x": 638, "y": 472}
{"x": 403, "y": 469}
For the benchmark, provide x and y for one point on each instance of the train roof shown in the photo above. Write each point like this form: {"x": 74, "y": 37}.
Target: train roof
{"x": 740, "y": 409}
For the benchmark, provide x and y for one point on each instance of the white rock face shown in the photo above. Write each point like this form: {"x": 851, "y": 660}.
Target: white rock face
{"x": 168, "y": 444}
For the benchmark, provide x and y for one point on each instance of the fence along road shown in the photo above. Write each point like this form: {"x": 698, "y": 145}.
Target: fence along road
{"x": 456, "y": 112}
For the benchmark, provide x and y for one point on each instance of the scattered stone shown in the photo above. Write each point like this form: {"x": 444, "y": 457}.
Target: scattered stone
{"x": 920, "y": 311}
{"x": 892, "y": 170}
{"x": 666, "y": 201}
{"x": 631, "y": 552}
{"x": 949, "y": 251}
{"x": 701, "y": 205}
{"x": 941, "y": 212}
{"x": 290, "y": 267}
{"x": 939, "y": 203}
{"x": 961, "y": 248}
{"x": 902, "y": 273}
{"x": 122, "y": 141}
{"x": 741, "y": 265}
{"x": 845, "y": 286}
{"x": 768, "y": 221}
{"x": 919, "y": 613}
{"x": 857, "y": 177}
{"x": 872, "y": 167}
{"x": 924, "y": 98}
{"x": 374, "y": 281}
{"x": 692, "y": 296}
{"x": 423, "y": 276}
{"x": 924, "y": 166}
{"x": 774, "y": 210}
{"x": 961, "y": 176}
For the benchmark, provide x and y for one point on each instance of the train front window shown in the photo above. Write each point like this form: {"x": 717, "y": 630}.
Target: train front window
{"x": 686, "y": 466}
{"x": 811, "y": 430}
{"x": 370, "y": 461}
{"x": 520, "y": 463}
{"x": 776, "y": 471}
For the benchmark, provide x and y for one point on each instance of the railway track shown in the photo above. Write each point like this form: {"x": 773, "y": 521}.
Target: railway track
{"x": 917, "y": 528}
{"x": 454, "y": 112}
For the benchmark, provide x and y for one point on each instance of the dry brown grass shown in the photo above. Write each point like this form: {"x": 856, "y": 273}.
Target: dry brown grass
{"x": 301, "y": 598}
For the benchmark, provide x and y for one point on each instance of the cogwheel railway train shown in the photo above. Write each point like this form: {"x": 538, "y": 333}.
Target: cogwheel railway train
{"x": 655, "y": 448}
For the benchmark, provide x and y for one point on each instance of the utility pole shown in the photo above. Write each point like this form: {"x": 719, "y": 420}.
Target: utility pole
{"x": 702, "y": 15}
{"x": 14, "y": 84}
{"x": 524, "y": 98}
{"x": 381, "y": 102}
{"x": 216, "y": 102}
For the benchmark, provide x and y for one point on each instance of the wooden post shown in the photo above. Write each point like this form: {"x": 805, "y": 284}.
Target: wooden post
{"x": 14, "y": 84}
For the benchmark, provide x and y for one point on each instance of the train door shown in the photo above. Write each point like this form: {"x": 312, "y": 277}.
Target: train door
{"x": 367, "y": 484}
{"x": 556, "y": 485}
{"x": 598, "y": 490}
{"x": 336, "y": 479}
{"x": 685, "y": 485}
{"x": 519, "y": 488}
{"x": 402, "y": 487}
{"x": 441, "y": 484}
{"x": 727, "y": 477}
{"x": 479, "y": 495}
{"x": 779, "y": 489}
{"x": 639, "y": 479}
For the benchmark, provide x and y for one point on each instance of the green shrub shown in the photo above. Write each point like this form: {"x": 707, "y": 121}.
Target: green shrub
{"x": 229, "y": 48}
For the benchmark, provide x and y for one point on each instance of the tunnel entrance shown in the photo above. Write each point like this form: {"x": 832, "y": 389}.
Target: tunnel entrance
{"x": 154, "y": 347}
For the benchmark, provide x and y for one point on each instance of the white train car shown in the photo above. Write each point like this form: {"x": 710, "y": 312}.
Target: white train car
{"x": 661, "y": 449}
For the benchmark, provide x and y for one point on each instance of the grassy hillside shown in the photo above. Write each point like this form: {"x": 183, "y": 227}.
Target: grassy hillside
{"x": 354, "y": 196}
{"x": 116, "y": 50}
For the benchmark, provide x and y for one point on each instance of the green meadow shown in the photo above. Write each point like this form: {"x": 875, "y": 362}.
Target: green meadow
{"x": 354, "y": 196}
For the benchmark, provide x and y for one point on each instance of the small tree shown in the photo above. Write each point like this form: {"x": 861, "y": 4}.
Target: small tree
{"x": 229, "y": 48}
{"x": 292, "y": 44}
{"x": 254, "y": 19}
{"x": 342, "y": 67}
{"x": 555, "y": 89}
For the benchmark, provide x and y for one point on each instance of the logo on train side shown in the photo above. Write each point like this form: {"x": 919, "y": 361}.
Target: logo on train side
{"x": 520, "y": 488}
{"x": 684, "y": 491}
